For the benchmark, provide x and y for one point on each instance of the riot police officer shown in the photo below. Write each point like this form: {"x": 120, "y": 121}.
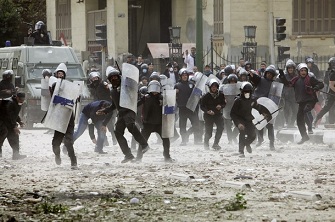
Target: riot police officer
{"x": 58, "y": 137}
{"x": 184, "y": 89}
{"x": 9, "y": 119}
{"x": 40, "y": 34}
{"x": 7, "y": 89}
{"x": 126, "y": 118}
{"x": 330, "y": 99}
{"x": 212, "y": 104}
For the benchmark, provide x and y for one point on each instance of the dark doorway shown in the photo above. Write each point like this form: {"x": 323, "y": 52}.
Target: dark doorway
{"x": 148, "y": 22}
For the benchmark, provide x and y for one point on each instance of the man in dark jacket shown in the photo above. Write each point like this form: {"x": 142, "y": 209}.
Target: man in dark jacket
{"x": 184, "y": 89}
{"x": 99, "y": 122}
{"x": 212, "y": 104}
{"x": 290, "y": 106}
{"x": 263, "y": 86}
{"x": 7, "y": 89}
{"x": 152, "y": 117}
{"x": 330, "y": 97}
{"x": 9, "y": 119}
{"x": 126, "y": 119}
{"x": 242, "y": 117}
{"x": 100, "y": 91}
{"x": 305, "y": 87}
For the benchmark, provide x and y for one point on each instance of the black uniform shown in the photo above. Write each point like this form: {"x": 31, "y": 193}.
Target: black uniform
{"x": 66, "y": 138}
{"x": 263, "y": 86}
{"x": 6, "y": 85}
{"x": 126, "y": 119}
{"x": 330, "y": 99}
{"x": 40, "y": 38}
{"x": 101, "y": 91}
{"x": 9, "y": 117}
{"x": 241, "y": 114}
{"x": 152, "y": 120}
{"x": 290, "y": 105}
{"x": 209, "y": 102}
{"x": 185, "y": 90}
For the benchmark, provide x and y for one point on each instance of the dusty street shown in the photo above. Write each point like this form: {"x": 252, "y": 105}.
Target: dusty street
{"x": 293, "y": 183}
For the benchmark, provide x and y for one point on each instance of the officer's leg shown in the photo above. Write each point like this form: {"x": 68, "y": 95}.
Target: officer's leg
{"x": 271, "y": 135}
{"x": 260, "y": 134}
{"x": 3, "y": 136}
{"x": 182, "y": 126}
{"x": 251, "y": 134}
{"x": 146, "y": 132}
{"x": 13, "y": 140}
{"x": 119, "y": 134}
{"x": 209, "y": 123}
{"x": 56, "y": 142}
{"x": 219, "y": 129}
{"x": 68, "y": 142}
{"x": 101, "y": 138}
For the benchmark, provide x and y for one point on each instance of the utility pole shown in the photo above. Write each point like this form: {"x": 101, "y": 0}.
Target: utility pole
{"x": 271, "y": 39}
{"x": 199, "y": 36}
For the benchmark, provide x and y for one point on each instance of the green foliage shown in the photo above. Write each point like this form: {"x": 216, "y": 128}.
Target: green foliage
{"x": 236, "y": 203}
{"x": 46, "y": 207}
{"x": 14, "y": 16}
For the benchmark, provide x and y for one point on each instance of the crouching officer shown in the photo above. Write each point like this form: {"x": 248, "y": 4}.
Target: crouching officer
{"x": 9, "y": 120}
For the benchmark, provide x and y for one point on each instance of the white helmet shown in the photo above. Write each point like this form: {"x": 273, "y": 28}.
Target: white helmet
{"x": 302, "y": 65}
{"x": 154, "y": 86}
{"x": 213, "y": 81}
{"x": 61, "y": 67}
{"x": 94, "y": 74}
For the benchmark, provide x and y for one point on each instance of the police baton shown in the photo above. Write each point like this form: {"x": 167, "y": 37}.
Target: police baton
{"x": 270, "y": 114}
{"x": 118, "y": 67}
{"x": 321, "y": 91}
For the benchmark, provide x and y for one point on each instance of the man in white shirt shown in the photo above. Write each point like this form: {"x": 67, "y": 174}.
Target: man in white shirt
{"x": 190, "y": 59}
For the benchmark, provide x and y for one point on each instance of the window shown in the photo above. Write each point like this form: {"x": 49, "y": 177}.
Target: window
{"x": 63, "y": 20}
{"x": 313, "y": 17}
{"x": 218, "y": 18}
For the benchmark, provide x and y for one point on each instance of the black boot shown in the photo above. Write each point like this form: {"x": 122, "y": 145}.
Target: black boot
{"x": 56, "y": 150}
{"x": 206, "y": 144}
{"x": 18, "y": 156}
{"x": 272, "y": 145}
{"x": 183, "y": 140}
{"x": 73, "y": 162}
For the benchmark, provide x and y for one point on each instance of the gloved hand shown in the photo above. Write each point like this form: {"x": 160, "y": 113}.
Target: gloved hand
{"x": 315, "y": 88}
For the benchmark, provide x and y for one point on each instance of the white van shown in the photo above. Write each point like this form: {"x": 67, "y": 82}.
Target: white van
{"x": 27, "y": 62}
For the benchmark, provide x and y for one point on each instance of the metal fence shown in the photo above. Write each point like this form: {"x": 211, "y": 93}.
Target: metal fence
{"x": 214, "y": 59}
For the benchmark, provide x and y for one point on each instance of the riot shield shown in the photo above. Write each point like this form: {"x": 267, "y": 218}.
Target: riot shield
{"x": 197, "y": 92}
{"x": 276, "y": 92}
{"x": 61, "y": 106}
{"x": 77, "y": 105}
{"x": 230, "y": 91}
{"x": 272, "y": 108}
{"x": 45, "y": 94}
{"x": 129, "y": 87}
{"x": 168, "y": 111}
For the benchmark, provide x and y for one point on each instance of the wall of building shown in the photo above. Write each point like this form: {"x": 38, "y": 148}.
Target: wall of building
{"x": 238, "y": 13}
{"x": 184, "y": 15}
{"x": 117, "y": 23}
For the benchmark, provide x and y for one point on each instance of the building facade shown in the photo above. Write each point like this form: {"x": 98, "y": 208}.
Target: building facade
{"x": 131, "y": 24}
